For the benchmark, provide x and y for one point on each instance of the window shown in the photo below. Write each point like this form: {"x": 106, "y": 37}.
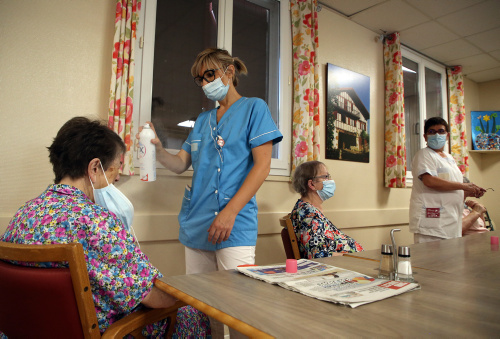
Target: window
{"x": 424, "y": 95}
{"x": 174, "y": 32}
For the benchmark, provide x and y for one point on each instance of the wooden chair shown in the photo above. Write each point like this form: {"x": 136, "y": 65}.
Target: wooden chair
{"x": 57, "y": 302}
{"x": 289, "y": 238}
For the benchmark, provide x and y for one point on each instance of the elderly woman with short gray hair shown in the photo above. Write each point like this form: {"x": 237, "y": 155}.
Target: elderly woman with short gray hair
{"x": 317, "y": 236}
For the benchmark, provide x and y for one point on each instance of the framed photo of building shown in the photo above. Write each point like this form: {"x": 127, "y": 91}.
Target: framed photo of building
{"x": 347, "y": 115}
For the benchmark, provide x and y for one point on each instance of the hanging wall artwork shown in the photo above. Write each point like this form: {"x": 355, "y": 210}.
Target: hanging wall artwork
{"x": 485, "y": 130}
{"x": 347, "y": 115}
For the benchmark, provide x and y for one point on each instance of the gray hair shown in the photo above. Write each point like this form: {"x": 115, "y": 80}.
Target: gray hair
{"x": 303, "y": 173}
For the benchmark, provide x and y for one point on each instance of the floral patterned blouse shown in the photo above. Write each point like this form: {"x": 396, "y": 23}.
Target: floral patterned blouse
{"x": 317, "y": 236}
{"x": 120, "y": 274}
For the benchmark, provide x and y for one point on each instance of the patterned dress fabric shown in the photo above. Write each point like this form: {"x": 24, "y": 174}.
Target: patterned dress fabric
{"x": 120, "y": 274}
{"x": 306, "y": 132}
{"x": 317, "y": 236}
{"x": 394, "y": 145}
{"x": 191, "y": 324}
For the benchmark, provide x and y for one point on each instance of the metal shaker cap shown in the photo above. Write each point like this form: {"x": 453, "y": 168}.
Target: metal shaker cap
{"x": 403, "y": 251}
{"x": 386, "y": 249}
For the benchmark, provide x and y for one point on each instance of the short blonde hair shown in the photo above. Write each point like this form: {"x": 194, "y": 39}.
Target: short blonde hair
{"x": 220, "y": 58}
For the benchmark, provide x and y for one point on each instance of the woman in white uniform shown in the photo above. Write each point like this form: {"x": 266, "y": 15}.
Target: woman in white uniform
{"x": 437, "y": 196}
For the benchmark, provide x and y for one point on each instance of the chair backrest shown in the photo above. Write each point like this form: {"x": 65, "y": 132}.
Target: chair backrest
{"x": 46, "y": 302}
{"x": 289, "y": 238}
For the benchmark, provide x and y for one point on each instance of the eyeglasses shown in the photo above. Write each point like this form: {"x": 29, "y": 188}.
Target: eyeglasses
{"x": 326, "y": 177}
{"x": 208, "y": 76}
{"x": 439, "y": 131}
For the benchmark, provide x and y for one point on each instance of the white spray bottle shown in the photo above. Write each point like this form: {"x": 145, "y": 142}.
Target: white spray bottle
{"x": 147, "y": 154}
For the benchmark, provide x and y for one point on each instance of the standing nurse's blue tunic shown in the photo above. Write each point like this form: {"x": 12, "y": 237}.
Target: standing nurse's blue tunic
{"x": 219, "y": 171}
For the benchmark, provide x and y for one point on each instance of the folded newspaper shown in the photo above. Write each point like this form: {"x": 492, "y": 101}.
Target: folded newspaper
{"x": 329, "y": 283}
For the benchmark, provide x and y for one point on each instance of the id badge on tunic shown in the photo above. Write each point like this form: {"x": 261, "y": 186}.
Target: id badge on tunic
{"x": 220, "y": 141}
{"x": 433, "y": 212}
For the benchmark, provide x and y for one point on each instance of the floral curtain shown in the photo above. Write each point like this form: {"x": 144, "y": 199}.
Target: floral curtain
{"x": 458, "y": 135}
{"x": 305, "y": 126}
{"x": 122, "y": 78}
{"x": 395, "y": 147}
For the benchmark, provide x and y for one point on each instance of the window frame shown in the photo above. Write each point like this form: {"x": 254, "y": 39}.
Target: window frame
{"x": 144, "y": 60}
{"x": 423, "y": 63}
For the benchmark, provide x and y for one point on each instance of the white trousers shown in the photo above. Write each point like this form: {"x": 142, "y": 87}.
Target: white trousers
{"x": 200, "y": 261}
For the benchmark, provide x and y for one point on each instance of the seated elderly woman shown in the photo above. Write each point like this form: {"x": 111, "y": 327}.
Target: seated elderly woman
{"x": 317, "y": 236}
{"x": 473, "y": 221}
{"x": 86, "y": 157}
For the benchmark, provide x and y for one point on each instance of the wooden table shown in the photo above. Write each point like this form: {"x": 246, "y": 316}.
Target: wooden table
{"x": 471, "y": 254}
{"x": 453, "y": 301}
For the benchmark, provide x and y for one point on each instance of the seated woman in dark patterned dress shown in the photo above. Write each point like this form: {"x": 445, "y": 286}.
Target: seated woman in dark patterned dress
{"x": 84, "y": 206}
{"x": 317, "y": 236}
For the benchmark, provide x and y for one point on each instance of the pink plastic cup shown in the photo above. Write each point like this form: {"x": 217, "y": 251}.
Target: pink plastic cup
{"x": 494, "y": 240}
{"x": 291, "y": 266}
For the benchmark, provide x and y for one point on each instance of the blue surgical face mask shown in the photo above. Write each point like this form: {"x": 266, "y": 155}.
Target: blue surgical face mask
{"x": 436, "y": 141}
{"x": 328, "y": 190}
{"x": 111, "y": 198}
{"x": 216, "y": 90}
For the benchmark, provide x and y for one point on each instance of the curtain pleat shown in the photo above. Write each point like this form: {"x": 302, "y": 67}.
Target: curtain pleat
{"x": 395, "y": 142}
{"x": 121, "y": 94}
{"x": 305, "y": 126}
{"x": 458, "y": 130}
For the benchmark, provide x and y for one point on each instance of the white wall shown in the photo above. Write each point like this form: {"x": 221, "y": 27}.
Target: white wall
{"x": 55, "y": 64}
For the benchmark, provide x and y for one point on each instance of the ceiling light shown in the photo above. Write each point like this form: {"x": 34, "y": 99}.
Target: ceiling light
{"x": 187, "y": 123}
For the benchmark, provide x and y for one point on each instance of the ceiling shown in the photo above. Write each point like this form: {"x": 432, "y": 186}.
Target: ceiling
{"x": 452, "y": 32}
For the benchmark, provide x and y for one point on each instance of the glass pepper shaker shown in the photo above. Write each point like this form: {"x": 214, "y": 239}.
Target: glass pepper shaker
{"x": 405, "y": 273}
{"x": 386, "y": 262}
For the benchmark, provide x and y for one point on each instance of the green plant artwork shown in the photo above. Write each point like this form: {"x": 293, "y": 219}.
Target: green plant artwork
{"x": 485, "y": 130}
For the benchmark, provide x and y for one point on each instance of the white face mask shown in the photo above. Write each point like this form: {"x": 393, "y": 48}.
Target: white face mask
{"x": 111, "y": 198}
{"x": 328, "y": 190}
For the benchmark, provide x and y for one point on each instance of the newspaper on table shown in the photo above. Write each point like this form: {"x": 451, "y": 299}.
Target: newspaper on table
{"x": 329, "y": 283}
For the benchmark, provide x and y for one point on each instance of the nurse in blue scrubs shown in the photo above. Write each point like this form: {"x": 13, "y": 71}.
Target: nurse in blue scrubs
{"x": 230, "y": 150}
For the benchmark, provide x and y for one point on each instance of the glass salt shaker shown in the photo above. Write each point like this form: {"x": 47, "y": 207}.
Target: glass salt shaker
{"x": 404, "y": 264}
{"x": 386, "y": 262}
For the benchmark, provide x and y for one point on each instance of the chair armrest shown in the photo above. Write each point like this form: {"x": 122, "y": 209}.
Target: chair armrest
{"x": 136, "y": 321}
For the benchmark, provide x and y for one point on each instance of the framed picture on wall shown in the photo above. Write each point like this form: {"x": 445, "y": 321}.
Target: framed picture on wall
{"x": 485, "y": 127}
{"x": 347, "y": 115}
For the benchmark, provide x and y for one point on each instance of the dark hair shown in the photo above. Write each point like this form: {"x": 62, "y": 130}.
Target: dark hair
{"x": 78, "y": 142}
{"x": 435, "y": 121}
{"x": 220, "y": 58}
{"x": 303, "y": 173}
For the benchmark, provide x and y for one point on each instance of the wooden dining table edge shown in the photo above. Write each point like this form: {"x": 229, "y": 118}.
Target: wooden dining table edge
{"x": 230, "y": 321}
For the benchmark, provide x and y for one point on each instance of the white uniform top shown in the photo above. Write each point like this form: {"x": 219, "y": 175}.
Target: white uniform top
{"x": 432, "y": 212}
